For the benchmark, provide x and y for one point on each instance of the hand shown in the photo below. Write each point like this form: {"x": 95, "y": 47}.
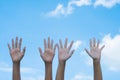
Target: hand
{"x": 49, "y": 51}
{"x": 15, "y": 52}
{"x": 64, "y": 53}
{"x": 95, "y": 51}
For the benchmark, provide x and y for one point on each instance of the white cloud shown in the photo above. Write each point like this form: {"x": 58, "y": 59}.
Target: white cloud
{"x": 23, "y": 69}
{"x": 6, "y": 68}
{"x": 111, "y": 52}
{"x": 28, "y": 70}
{"x": 61, "y": 10}
{"x": 58, "y": 11}
{"x": 33, "y": 78}
{"x": 82, "y": 77}
{"x": 79, "y": 3}
{"x": 34, "y": 74}
{"x": 106, "y": 3}
{"x": 77, "y": 44}
{"x": 3, "y": 64}
{"x": 89, "y": 61}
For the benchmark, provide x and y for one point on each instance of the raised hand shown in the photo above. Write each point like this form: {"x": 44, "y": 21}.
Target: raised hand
{"x": 16, "y": 55}
{"x": 64, "y": 52}
{"x": 47, "y": 56}
{"x": 49, "y": 51}
{"x": 95, "y": 51}
{"x": 15, "y": 51}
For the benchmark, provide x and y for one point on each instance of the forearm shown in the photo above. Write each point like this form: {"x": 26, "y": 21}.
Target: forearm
{"x": 97, "y": 70}
{"x": 16, "y": 71}
{"x": 60, "y": 71}
{"x": 48, "y": 71}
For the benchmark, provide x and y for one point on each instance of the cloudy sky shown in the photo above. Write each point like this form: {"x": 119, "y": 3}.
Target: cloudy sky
{"x": 78, "y": 20}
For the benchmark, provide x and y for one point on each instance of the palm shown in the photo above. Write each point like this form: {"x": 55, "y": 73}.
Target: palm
{"x": 16, "y": 55}
{"x": 63, "y": 54}
{"x": 49, "y": 52}
{"x": 15, "y": 52}
{"x": 95, "y": 53}
{"x": 48, "y": 55}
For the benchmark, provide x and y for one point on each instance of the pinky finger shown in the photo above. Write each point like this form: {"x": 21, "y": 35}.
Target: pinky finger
{"x": 9, "y": 47}
{"x": 24, "y": 49}
{"x": 102, "y": 47}
{"x": 55, "y": 47}
{"x": 87, "y": 51}
{"x": 71, "y": 53}
{"x": 40, "y": 50}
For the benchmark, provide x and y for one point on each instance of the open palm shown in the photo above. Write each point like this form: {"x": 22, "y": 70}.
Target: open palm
{"x": 15, "y": 51}
{"x": 49, "y": 51}
{"x": 64, "y": 53}
{"x": 16, "y": 54}
{"x": 48, "y": 55}
{"x": 95, "y": 51}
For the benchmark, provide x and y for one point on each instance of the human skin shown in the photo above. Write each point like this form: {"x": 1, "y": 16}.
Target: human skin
{"x": 47, "y": 56}
{"x": 16, "y": 56}
{"x": 95, "y": 54}
{"x": 64, "y": 53}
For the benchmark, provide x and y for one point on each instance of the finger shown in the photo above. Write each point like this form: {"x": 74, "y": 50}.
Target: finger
{"x": 87, "y": 51}
{"x": 52, "y": 44}
{"x": 45, "y": 46}
{"x": 48, "y": 42}
{"x": 71, "y": 53}
{"x": 40, "y": 50}
{"x": 70, "y": 46}
{"x": 98, "y": 43}
{"x": 9, "y": 47}
{"x": 20, "y": 43}
{"x": 24, "y": 49}
{"x": 61, "y": 46}
{"x": 13, "y": 46}
{"x": 65, "y": 45}
{"x": 94, "y": 42}
{"x": 55, "y": 47}
{"x": 90, "y": 43}
{"x": 102, "y": 47}
{"x": 16, "y": 44}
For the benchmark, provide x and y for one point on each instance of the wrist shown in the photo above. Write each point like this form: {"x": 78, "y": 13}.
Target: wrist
{"x": 62, "y": 62}
{"x": 48, "y": 63}
{"x": 16, "y": 63}
{"x": 96, "y": 60}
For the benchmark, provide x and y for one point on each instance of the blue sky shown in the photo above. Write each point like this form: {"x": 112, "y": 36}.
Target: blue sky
{"x": 78, "y": 20}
